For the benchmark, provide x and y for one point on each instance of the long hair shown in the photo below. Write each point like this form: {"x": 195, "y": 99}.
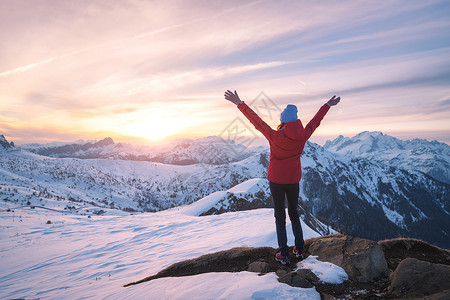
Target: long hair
{"x": 280, "y": 126}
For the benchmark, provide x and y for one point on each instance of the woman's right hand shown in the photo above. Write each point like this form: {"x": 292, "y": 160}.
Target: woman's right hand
{"x": 333, "y": 101}
{"x": 232, "y": 97}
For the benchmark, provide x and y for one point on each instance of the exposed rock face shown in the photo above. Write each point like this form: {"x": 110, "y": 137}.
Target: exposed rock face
{"x": 362, "y": 259}
{"x": 416, "y": 278}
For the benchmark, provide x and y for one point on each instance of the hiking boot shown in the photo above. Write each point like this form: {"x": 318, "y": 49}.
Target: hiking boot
{"x": 282, "y": 259}
{"x": 299, "y": 253}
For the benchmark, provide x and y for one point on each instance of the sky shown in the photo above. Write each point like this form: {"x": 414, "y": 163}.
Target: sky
{"x": 144, "y": 71}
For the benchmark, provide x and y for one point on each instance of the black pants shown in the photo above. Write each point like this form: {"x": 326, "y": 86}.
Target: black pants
{"x": 279, "y": 193}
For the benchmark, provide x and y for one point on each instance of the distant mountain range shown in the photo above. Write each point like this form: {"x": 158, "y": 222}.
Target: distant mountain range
{"x": 371, "y": 199}
{"x": 432, "y": 158}
{"x": 372, "y": 185}
{"x": 210, "y": 150}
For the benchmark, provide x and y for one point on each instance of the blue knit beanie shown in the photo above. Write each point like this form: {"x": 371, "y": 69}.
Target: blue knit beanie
{"x": 289, "y": 114}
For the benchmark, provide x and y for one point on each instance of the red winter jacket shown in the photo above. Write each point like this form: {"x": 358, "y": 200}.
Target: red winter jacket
{"x": 286, "y": 144}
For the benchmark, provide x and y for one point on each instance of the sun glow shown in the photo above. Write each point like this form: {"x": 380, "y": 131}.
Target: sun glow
{"x": 153, "y": 129}
{"x": 154, "y": 124}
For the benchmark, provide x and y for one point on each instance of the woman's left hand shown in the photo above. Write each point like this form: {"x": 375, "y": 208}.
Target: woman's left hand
{"x": 232, "y": 97}
{"x": 333, "y": 101}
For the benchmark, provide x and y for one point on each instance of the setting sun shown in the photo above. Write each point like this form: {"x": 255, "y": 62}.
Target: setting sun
{"x": 153, "y": 122}
{"x": 153, "y": 127}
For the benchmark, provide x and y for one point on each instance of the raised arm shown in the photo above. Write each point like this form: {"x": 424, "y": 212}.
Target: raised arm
{"x": 315, "y": 122}
{"x": 259, "y": 124}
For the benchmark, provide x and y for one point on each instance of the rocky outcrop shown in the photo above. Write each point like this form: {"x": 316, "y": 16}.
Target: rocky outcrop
{"x": 417, "y": 269}
{"x": 398, "y": 249}
{"x": 366, "y": 262}
{"x": 416, "y": 278}
{"x": 362, "y": 260}
{"x": 233, "y": 260}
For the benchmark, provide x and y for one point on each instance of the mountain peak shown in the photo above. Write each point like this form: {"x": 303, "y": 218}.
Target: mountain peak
{"x": 105, "y": 142}
{"x": 364, "y": 142}
{"x": 367, "y": 134}
{"x": 4, "y": 143}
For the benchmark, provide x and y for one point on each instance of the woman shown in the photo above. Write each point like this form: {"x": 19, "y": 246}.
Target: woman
{"x": 284, "y": 172}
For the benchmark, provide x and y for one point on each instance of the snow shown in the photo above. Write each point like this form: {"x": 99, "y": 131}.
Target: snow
{"x": 243, "y": 285}
{"x": 326, "y": 271}
{"x": 138, "y": 185}
{"x": 394, "y": 217}
{"x": 249, "y": 186}
{"x": 204, "y": 204}
{"x": 91, "y": 257}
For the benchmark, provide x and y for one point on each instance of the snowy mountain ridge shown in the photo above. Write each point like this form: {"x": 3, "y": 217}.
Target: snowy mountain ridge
{"x": 347, "y": 193}
{"x": 432, "y": 158}
{"x": 210, "y": 150}
{"x": 353, "y": 194}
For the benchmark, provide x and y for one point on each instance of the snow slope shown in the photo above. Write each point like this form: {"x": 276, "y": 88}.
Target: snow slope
{"x": 247, "y": 187}
{"x": 88, "y": 256}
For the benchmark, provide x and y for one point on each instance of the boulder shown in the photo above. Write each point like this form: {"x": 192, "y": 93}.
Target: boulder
{"x": 302, "y": 278}
{"x": 363, "y": 260}
{"x": 259, "y": 267}
{"x": 308, "y": 275}
{"x": 293, "y": 279}
{"x": 281, "y": 272}
{"x": 416, "y": 278}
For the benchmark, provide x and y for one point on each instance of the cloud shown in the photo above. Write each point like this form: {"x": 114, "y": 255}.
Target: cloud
{"x": 445, "y": 102}
{"x": 437, "y": 79}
